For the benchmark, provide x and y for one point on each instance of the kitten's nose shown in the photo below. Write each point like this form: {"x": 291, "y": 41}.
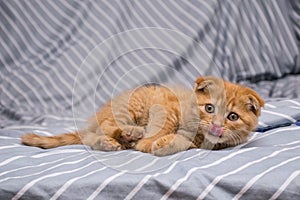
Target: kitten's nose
{"x": 216, "y": 130}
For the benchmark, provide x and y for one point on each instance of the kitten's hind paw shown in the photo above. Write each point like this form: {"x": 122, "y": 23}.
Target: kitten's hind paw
{"x": 132, "y": 133}
{"x": 105, "y": 143}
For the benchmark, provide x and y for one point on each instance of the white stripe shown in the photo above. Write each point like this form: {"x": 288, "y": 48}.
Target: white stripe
{"x": 137, "y": 187}
{"x": 43, "y": 132}
{"x": 220, "y": 177}
{"x": 146, "y": 178}
{"x": 111, "y": 154}
{"x": 10, "y": 160}
{"x": 35, "y": 166}
{"x": 281, "y": 115}
{"x": 71, "y": 181}
{"x": 32, "y": 183}
{"x": 191, "y": 171}
{"x": 43, "y": 171}
{"x": 128, "y": 162}
{"x": 294, "y": 107}
{"x": 147, "y": 165}
{"x": 11, "y": 146}
{"x": 255, "y": 178}
{"x": 252, "y": 136}
{"x": 59, "y": 118}
{"x": 262, "y": 124}
{"x": 57, "y": 152}
{"x": 293, "y": 101}
{"x": 287, "y": 144}
{"x": 104, "y": 184}
{"x": 285, "y": 184}
{"x": 23, "y": 127}
{"x": 9, "y": 138}
{"x": 270, "y": 133}
{"x": 270, "y": 105}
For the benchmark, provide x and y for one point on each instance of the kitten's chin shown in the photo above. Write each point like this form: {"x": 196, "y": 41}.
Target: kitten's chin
{"x": 213, "y": 139}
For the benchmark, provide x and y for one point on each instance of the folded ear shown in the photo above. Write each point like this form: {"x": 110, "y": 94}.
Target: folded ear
{"x": 255, "y": 102}
{"x": 203, "y": 83}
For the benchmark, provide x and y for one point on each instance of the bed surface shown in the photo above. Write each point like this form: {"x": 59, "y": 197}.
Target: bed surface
{"x": 267, "y": 165}
{"x": 61, "y": 60}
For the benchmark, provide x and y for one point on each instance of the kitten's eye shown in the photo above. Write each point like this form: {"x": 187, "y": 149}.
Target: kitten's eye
{"x": 209, "y": 108}
{"x": 233, "y": 116}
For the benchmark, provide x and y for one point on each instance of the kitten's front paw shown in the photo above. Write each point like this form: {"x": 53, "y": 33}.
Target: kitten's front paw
{"x": 144, "y": 145}
{"x": 170, "y": 144}
{"x": 106, "y": 143}
{"x": 157, "y": 147}
{"x": 132, "y": 133}
{"x": 162, "y": 142}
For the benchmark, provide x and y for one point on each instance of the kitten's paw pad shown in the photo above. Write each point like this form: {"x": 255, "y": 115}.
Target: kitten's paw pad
{"x": 162, "y": 142}
{"x": 105, "y": 143}
{"x": 133, "y": 133}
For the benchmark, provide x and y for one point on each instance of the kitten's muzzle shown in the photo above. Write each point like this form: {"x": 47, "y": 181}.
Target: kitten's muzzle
{"x": 216, "y": 130}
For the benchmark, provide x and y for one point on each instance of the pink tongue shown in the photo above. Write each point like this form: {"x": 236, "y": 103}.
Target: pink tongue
{"x": 216, "y": 130}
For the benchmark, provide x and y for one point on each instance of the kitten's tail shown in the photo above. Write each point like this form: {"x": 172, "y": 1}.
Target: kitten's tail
{"x": 47, "y": 142}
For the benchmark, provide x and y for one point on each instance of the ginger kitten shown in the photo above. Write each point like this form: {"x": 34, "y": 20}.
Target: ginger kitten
{"x": 163, "y": 121}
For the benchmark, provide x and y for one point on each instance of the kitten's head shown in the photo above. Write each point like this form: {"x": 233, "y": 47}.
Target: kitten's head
{"x": 228, "y": 112}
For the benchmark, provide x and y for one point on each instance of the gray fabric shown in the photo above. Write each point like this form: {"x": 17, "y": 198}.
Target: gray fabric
{"x": 286, "y": 87}
{"x": 267, "y": 165}
{"x": 61, "y": 60}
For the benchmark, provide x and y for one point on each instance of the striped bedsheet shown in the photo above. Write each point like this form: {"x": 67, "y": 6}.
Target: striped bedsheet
{"x": 61, "y": 60}
{"x": 267, "y": 166}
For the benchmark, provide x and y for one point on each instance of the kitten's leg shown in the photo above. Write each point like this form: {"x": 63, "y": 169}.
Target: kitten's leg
{"x": 108, "y": 136}
{"x": 122, "y": 132}
{"x": 162, "y": 122}
{"x": 118, "y": 122}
